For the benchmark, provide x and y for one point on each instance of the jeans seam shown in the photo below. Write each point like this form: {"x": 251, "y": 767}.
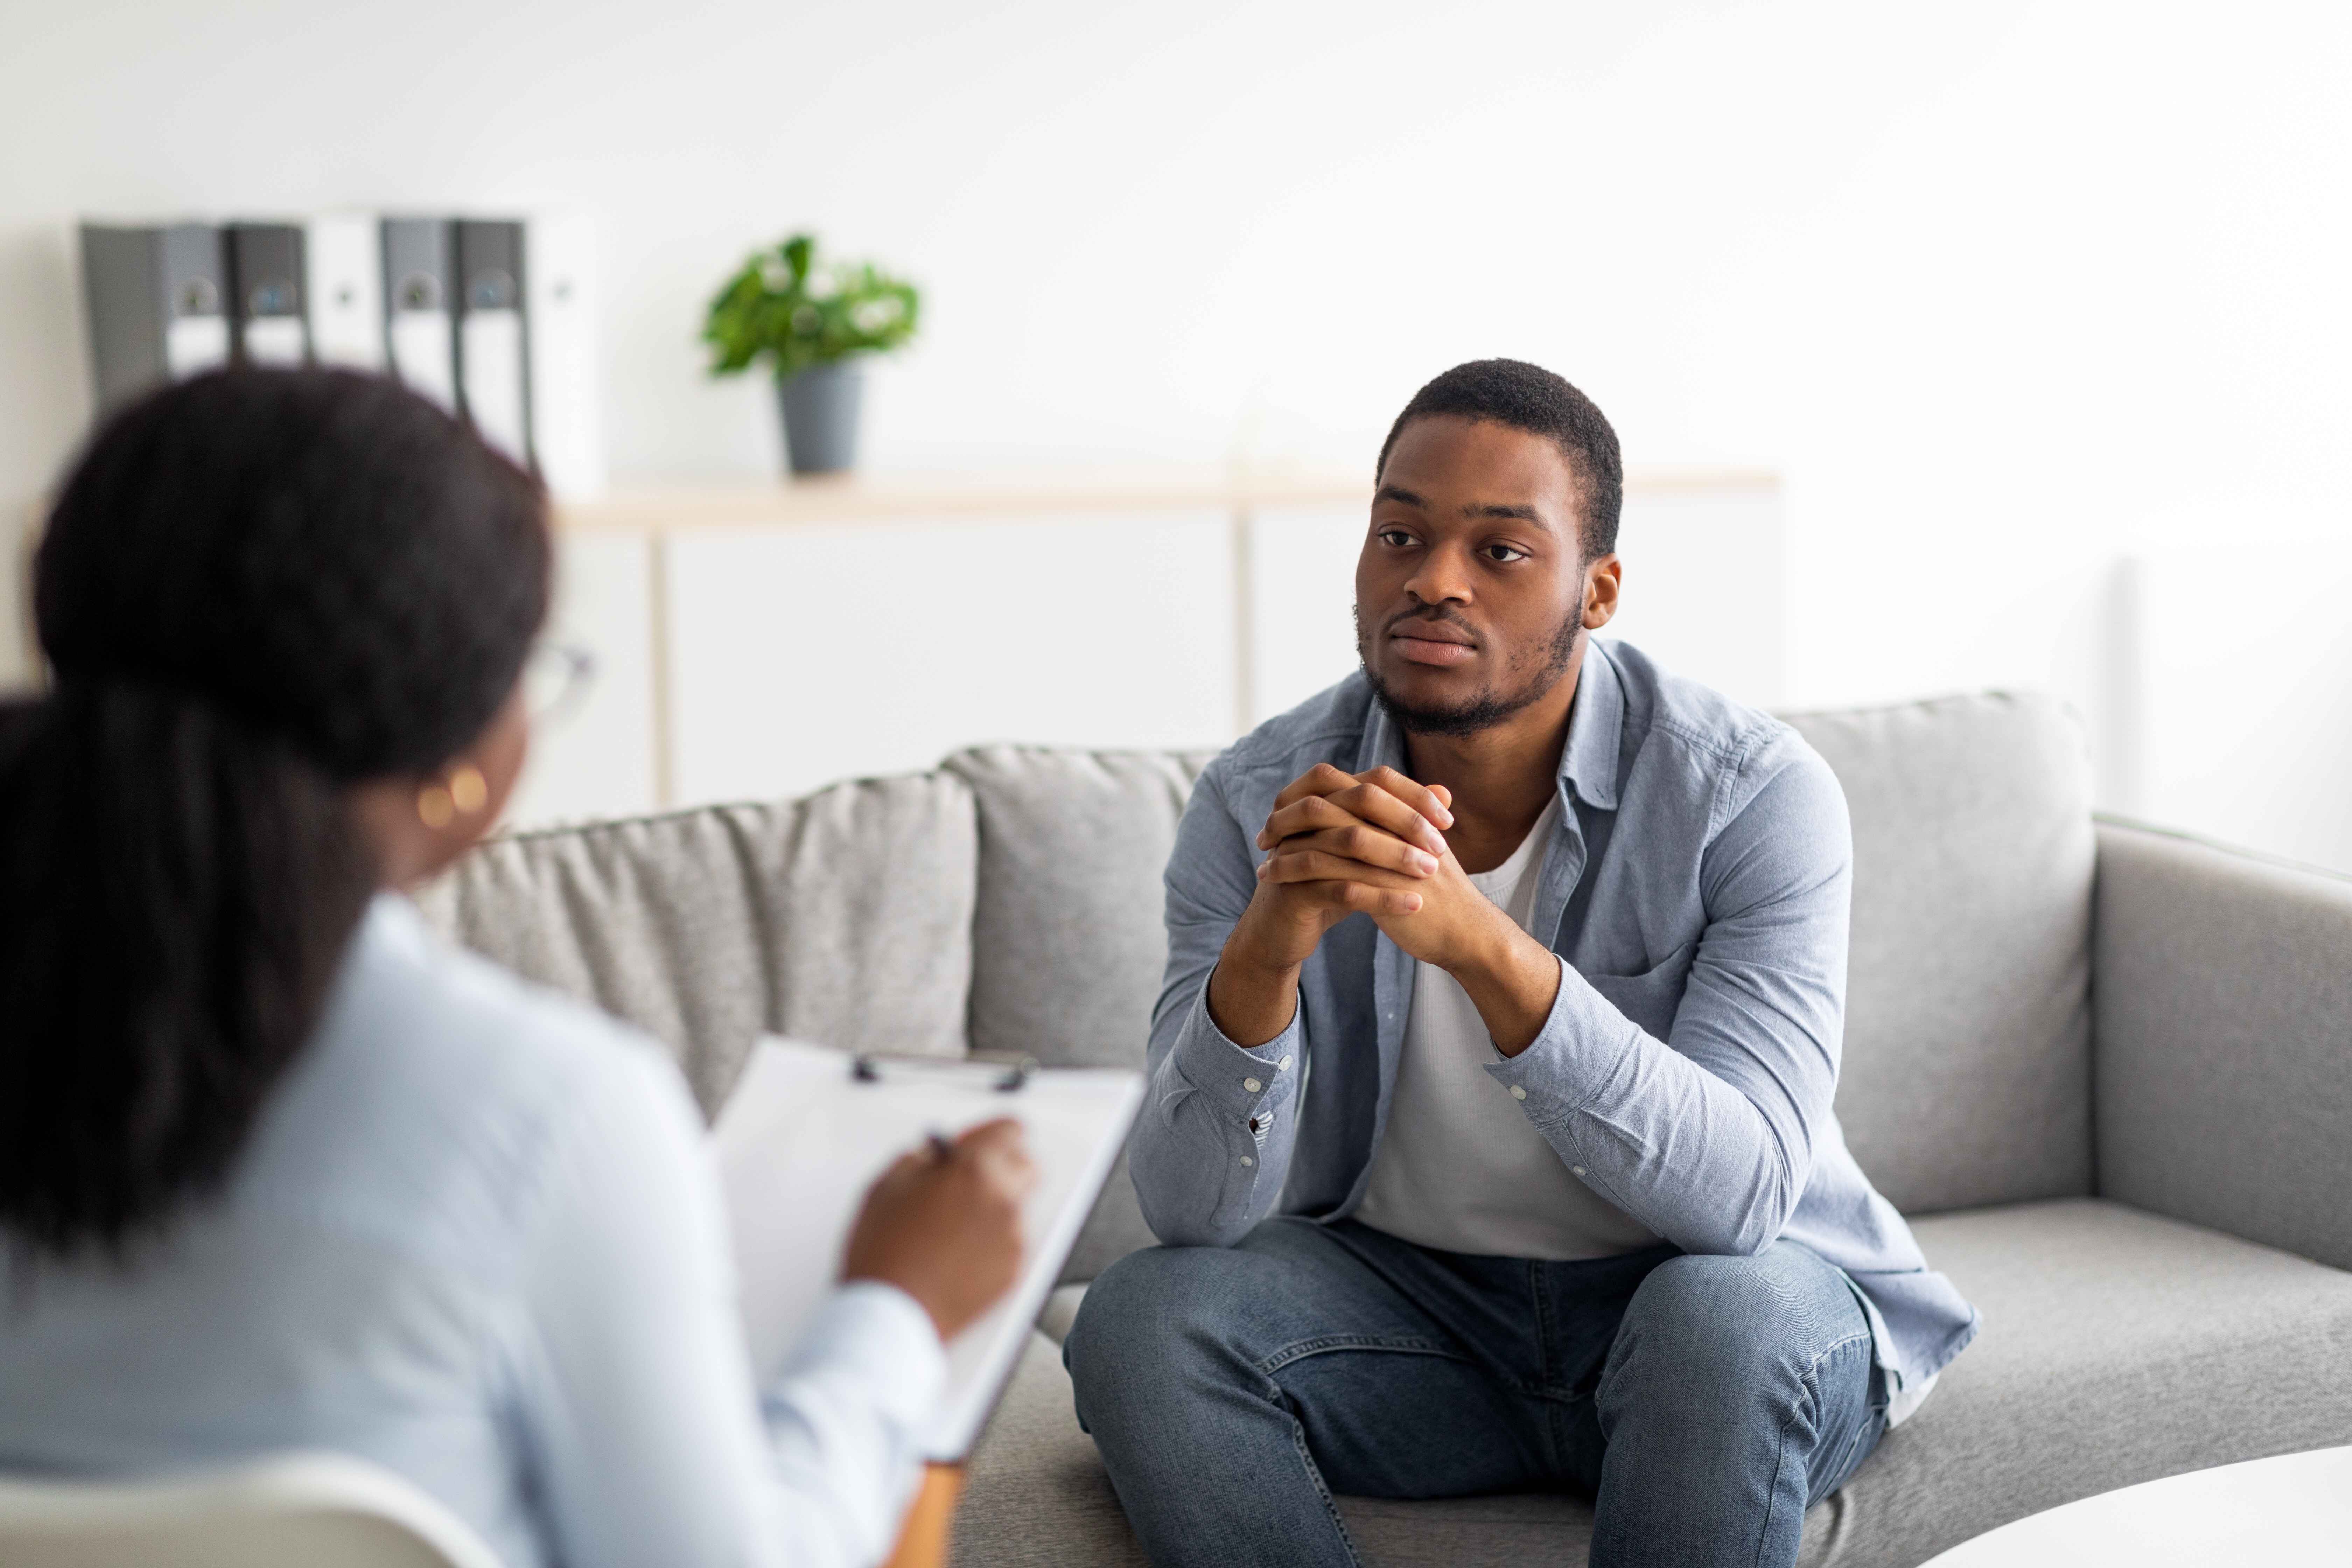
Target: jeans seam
{"x": 1322, "y": 1489}
{"x": 1555, "y": 1408}
{"x": 1847, "y": 1462}
{"x": 1325, "y": 1344}
{"x": 1399, "y": 1345}
{"x": 1808, "y": 1380}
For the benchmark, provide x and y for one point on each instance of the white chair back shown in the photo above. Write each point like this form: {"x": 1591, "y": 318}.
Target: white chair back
{"x": 293, "y": 1510}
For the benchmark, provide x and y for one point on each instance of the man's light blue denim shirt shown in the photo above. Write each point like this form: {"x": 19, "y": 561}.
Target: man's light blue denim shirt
{"x": 1688, "y": 1065}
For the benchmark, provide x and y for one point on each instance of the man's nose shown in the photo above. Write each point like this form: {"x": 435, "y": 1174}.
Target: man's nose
{"x": 1443, "y": 577}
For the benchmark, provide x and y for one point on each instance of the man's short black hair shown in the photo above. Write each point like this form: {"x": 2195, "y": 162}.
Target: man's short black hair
{"x": 1529, "y": 397}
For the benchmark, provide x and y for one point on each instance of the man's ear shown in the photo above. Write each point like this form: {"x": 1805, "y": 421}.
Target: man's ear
{"x": 1602, "y": 579}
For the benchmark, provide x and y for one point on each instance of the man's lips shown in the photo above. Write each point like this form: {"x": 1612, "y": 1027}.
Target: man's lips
{"x": 1432, "y": 642}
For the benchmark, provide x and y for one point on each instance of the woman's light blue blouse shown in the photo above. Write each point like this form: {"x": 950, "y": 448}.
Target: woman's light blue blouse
{"x": 476, "y": 1238}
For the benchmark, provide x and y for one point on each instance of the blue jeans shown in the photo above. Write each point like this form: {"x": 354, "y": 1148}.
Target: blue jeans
{"x": 1702, "y": 1402}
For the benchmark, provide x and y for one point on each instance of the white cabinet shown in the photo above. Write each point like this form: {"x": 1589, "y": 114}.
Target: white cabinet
{"x": 1302, "y": 601}
{"x": 598, "y": 757}
{"x": 1706, "y": 585}
{"x": 821, "y": 651}
{"x": 759, "y": 645}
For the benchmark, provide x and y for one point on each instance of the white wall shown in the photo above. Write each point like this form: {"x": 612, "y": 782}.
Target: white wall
{"x": 2246, "y": 735}
{"x": 2005, "y": 290}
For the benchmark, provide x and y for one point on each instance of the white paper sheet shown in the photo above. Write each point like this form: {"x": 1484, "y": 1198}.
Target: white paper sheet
{"x": 801, "y": 1141}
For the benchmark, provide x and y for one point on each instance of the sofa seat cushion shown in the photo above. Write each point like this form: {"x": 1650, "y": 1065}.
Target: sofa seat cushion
{"x": 1035, "y": 1490}
{"x": 2117, "y": 1347}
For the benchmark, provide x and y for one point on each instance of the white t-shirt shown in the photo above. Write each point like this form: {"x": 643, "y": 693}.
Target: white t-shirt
{"x": 1460, "y": 1167}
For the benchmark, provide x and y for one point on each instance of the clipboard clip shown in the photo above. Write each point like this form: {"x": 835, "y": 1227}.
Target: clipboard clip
{"x": 1012, "y": 1073}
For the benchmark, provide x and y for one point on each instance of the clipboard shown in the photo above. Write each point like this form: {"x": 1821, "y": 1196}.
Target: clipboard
{"x": 808, "y": 1129}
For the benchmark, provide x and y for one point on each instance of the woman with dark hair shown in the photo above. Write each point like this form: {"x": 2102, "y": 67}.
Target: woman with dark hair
{"x": 278, "y": 1169}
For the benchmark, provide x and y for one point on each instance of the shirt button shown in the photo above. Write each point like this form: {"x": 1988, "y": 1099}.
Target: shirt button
{"x": 1252, "y": 1085}
{"x": 1576, "y": 1170}
{"x": 1247, "y": 1161}
{"x": 1282, "y": 1066}
{"x": 1517, "y": 1093}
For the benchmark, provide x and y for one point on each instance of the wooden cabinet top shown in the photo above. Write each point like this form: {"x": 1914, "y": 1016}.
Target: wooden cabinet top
{"x": 884, "y": 498}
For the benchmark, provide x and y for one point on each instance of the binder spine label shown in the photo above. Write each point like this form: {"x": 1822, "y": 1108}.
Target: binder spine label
{"x": 193, "y": 344}
{"x": 490, "y": 349}
{"x": 275, "y": 340}
{"x": 420, "y": 354}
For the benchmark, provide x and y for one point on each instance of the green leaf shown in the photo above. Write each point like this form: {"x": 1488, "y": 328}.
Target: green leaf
{"x": 795, "y": 310}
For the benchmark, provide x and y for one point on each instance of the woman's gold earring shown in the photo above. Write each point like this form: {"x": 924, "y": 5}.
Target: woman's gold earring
{"x": 466, "y": 793}
{"x": 468, "y": 790}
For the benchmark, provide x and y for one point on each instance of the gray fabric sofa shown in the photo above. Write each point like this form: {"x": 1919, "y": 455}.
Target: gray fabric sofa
{"x": 2108, "y": 1072}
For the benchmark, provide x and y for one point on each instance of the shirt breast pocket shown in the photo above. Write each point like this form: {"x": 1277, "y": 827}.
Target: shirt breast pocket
{"x": 1651, "y": 997}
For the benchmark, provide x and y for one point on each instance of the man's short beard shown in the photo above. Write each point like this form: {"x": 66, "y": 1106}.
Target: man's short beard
{"x": 1489, "y": 707}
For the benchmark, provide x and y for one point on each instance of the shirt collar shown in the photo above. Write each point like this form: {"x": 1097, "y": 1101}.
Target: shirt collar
{"x": 1383, "y": 742}
{"x": 1596, "y": 722}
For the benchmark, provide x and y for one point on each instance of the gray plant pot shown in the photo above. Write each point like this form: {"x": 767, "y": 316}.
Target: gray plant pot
{"x": 820, "y": 411}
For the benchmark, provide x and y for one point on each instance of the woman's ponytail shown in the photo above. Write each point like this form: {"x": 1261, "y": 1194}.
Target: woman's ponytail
{"x": 256, "y": 590}
{"x": 180, "y": 888}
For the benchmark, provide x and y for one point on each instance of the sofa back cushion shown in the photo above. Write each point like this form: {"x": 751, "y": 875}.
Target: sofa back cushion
{"x": 1011, "y": 901}
{"x": 1967, "y": 1072}
{"x": 843, "y": 917}
{"x": 1068, "y": 945}
{"x": 1966, "y": 1066}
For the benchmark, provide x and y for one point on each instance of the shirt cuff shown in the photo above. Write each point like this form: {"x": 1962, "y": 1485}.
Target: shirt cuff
{"x": 1583, "y": 1040}
{"x": 1246, "y": 1081}
{"x": 880, "y": 1333}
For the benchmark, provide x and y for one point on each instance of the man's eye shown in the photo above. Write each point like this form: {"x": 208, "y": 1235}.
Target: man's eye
{"x": 1395, "y": 538}
{"x": 1505, "y": 554}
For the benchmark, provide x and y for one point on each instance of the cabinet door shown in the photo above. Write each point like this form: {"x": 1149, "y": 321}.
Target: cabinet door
{"x": 594, "y": 758}
{"x": 1707, "y": 587}
{"x": 811, "y": 653}
{"x": 1302, "y": 591}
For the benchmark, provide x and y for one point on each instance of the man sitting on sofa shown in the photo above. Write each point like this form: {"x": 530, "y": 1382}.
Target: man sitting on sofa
{"x": 1488, "y": 1126}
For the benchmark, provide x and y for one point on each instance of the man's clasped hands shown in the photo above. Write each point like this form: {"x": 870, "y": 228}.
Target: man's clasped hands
{"x": 1341, "y": 844}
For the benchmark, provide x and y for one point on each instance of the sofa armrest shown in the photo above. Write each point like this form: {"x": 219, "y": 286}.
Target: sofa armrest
{"x": 2221, "y": 1000}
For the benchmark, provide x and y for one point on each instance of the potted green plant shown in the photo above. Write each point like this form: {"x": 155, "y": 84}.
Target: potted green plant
{"x": 814, "y": 321}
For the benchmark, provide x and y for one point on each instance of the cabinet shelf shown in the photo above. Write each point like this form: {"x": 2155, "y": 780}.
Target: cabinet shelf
{"x": 1017, "y": 493}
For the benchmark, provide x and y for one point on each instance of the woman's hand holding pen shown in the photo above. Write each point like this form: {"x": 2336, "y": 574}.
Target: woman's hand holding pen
{"x": 943, "y": 1224}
